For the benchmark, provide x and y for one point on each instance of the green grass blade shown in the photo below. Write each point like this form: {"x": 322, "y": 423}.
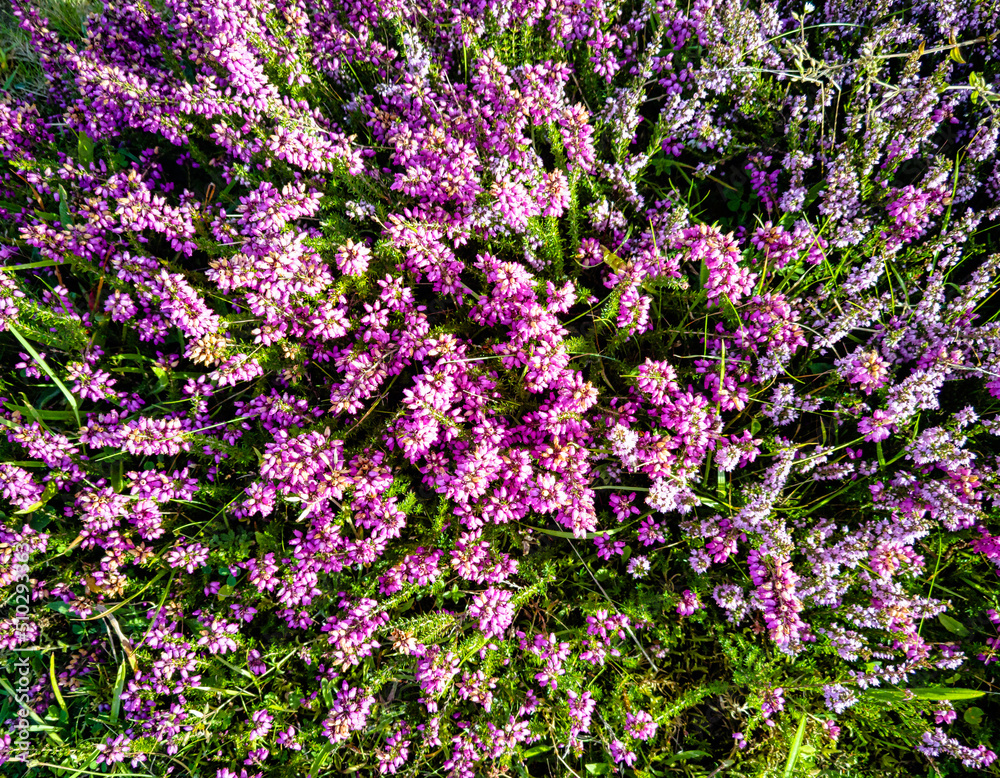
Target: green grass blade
{"x": 55, "y": 682}
{"x": 48, "y": 371}
{"x": 793, "y": 755}
{"x": 116, "y": 700}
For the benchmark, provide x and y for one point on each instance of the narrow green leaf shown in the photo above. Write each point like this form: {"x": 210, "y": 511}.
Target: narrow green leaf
{"x": 569, "y": 535}
{"x": 55, "y": 683}
{"x": 116, "y": 699}
{"x": 319, "y": 760}
{"x": 48, "y": 371}
{"x": 683, "y": 756}
{"x": 793, "y": 754}
{"x": 116, "y": 476}
{"x": 946, "y": 693}
{"x": 37, "y": 414}
{"x": 64, "y": 215}
{"x": 976, "y": 585}
{"x": 936, "y": 693}
{"x": 41, "y": 263}
{"x": 48, "y": 494}
{"x": 217, "y": 690}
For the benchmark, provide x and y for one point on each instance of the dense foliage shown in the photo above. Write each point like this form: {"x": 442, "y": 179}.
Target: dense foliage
{"x": 501, "y": 387}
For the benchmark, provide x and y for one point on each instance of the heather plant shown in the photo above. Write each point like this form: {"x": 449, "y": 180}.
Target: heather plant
{"x": 500, "y": 388}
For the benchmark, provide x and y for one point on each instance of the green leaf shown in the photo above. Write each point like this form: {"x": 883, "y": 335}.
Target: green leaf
{"x": 48, "y": 371}
{"x": 41, "y": 263}
{"x": 597, "y": 768}
{"x": 116, "y": 476}
{"x": 973, "y": 716}
{"x": 535, "y": 751}
{"x": 161, "y": 378}
{"x": 64, "y": 215}
{"x": 59, "y": 607}
{"x": 977, "y": 586}
{"x": 320, "y": 759}
{"x": 116, "y": 698}
{"x": 38, "y": 415}
{"x": 936, "y": 693}
{"x": 945, "y": 693}
{"x": 48, "y": 494}
{"x": 683, "y": 756}
{"x": 84, "y": 149}
{"x": 793, "y": 754}
{"x": 570, "y": 536}
{"x": 55, "y": 683}
{"x": 953, "y": 625}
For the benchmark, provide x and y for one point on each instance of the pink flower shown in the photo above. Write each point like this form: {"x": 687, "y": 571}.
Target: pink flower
{"x": 689, "y": 603}
{"x": 641, "y": 725}
{"x": 352, "y": 258}
{"x": 876, "y": 427}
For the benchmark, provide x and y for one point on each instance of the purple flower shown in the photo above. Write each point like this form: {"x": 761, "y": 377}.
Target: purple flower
{"x": 638, "y": 566}
{"x": 255, "y": 663}
{"x": 772, "y": 701}
{"x": 838, "y": 698}
{"x": 348, "y": 714}
{"x": 607, "y": 548}
{"x": 190, "y": 557}
{"x": 640, "y": 725}
{"x": 352, "y": 258}
{"x": 689, "y": 603}
{"x": 494, "y": 611}
{"x": 876, "y": 427}
{"x": 581, "y": 708}
{"x": 945, "y": 714}
{"x": 619, "y": 753}
{"x": 261, "y": 721}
